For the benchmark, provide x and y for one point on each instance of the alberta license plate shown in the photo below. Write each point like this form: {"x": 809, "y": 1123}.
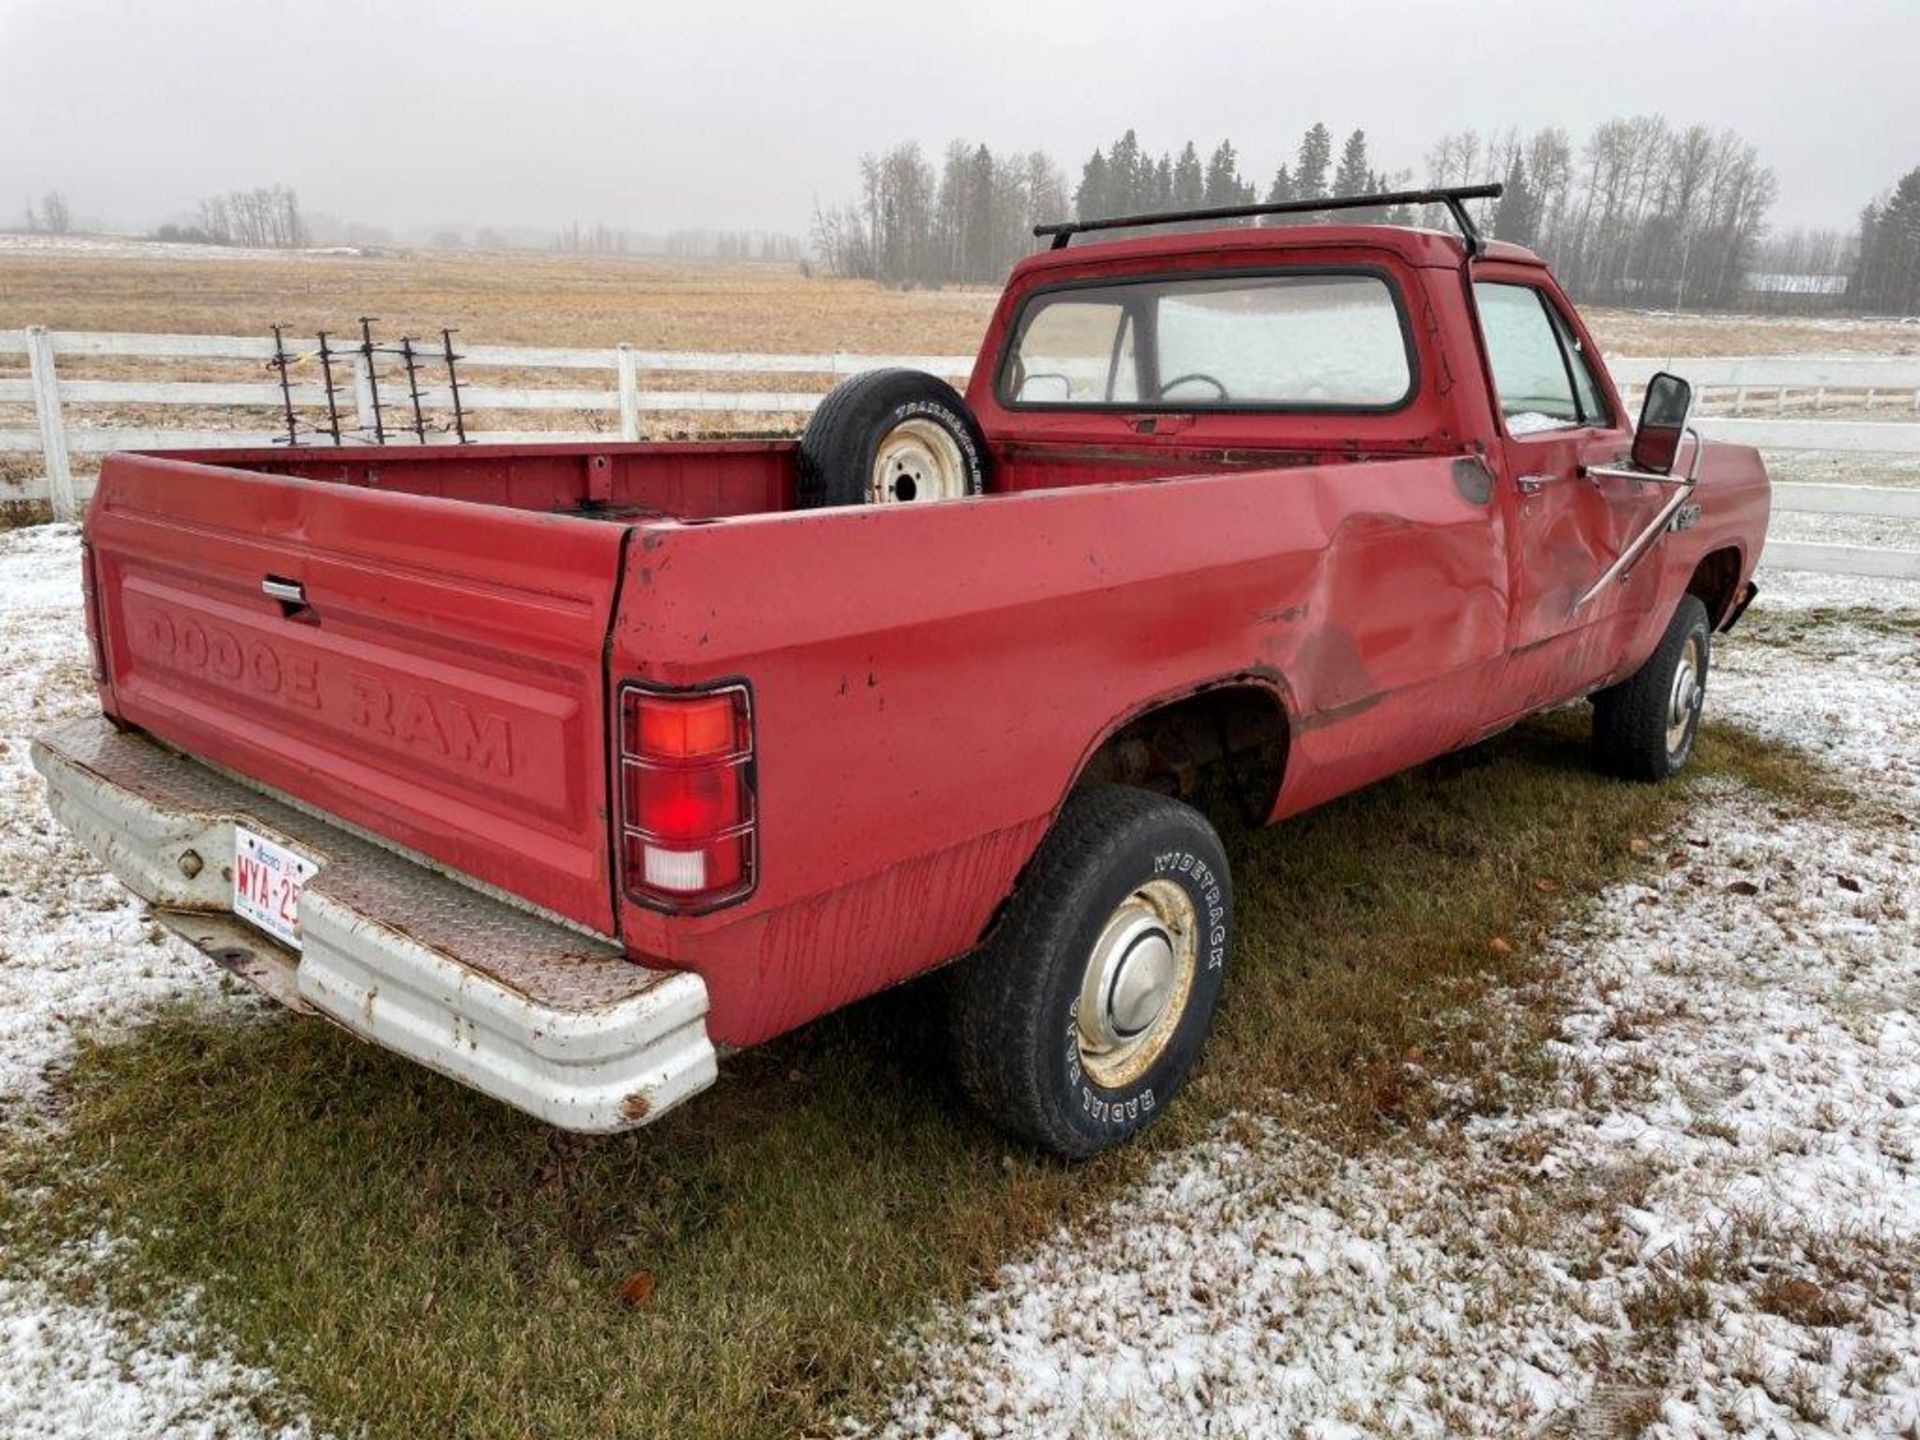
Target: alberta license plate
{"x": 267, "y": 879}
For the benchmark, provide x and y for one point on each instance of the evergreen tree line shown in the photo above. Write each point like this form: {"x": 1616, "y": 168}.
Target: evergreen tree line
{"x": 1641, "y": 213}
{"x": 1125, "y": 180}
{"x": 1887, "y": 274}
{"x": 972, "y": 219}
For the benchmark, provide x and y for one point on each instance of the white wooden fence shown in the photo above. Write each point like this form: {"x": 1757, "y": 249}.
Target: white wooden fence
{"x": 57, "y": 440}
{"x": 1742, "y": 383}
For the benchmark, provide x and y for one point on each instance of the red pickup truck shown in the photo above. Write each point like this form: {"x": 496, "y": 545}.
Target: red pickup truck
{"x": 562, "y": 769}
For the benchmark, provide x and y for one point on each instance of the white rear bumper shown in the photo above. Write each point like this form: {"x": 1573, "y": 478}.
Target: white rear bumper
{"x": 553, "y": 1021}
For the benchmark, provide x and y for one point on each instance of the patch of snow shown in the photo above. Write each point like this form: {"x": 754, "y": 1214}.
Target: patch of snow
{"x": 1838, "y": 467}
{"x": 1791, "y": 590}
{"x": 77, "y": 949}
{"x": 1872, "y": 532}
{"x": 1708, "y": 1225}
{"x": 132, "y": 247}
{"x": 1746, "y": 1023}
{"x": 74, "y": 944}
{"x": 1845, "y": 690}
{"x": 69, "y": 1371}
{"x": 1737, "y": 320}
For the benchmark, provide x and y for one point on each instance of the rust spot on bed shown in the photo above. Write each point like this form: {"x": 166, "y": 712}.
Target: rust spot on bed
{"x": 1282, "y": 617}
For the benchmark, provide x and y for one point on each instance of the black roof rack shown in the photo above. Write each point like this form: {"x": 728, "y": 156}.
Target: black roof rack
{"x": 1453, "y": 197}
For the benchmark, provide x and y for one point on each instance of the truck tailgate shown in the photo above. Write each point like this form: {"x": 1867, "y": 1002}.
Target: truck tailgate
{"x": 441, "y": 685}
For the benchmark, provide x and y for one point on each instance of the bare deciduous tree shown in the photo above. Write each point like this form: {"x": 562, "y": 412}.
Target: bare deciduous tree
{"x": 265, "y": 218}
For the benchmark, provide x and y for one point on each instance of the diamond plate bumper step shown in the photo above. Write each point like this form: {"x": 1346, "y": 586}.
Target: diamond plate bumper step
{"x": 550, "y": 1019}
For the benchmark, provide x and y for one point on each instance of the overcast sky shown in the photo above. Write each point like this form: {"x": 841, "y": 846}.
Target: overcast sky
{"x": 703, "y": 112}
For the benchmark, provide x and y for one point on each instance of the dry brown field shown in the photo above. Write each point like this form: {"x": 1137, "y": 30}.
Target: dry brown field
{"x": 532, "y": 299}
{"x": 496, "y": 300}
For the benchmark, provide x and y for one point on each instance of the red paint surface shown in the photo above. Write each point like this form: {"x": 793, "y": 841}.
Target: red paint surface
{"x": 927, "y": 681}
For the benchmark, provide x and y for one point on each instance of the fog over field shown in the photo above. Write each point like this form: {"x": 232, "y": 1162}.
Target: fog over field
{"x": 537, "y": 113}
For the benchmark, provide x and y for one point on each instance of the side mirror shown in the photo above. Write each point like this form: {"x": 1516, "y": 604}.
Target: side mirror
{"x": 1663, "y": 420}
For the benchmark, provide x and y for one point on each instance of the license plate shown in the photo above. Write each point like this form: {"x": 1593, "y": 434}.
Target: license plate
{"x": 267, "y": 879}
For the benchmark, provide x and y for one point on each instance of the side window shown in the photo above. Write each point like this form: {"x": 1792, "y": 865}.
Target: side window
{"x": 1077, "y": 352}
{"x": 1593, "y": 405}
{"x": 1530, "y": 371}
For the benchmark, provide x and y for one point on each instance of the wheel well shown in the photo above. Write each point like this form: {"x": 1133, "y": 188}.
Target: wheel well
{"x": 1223, "y": 748}
{"x": 1715, "y": 580}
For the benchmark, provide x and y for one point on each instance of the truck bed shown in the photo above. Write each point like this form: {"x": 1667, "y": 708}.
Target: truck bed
{"x": 694, "y": 479}
{"x": 441, "y": 676}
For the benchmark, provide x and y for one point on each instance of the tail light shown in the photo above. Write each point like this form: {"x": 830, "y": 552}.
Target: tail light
{"x": 686, "y": 797}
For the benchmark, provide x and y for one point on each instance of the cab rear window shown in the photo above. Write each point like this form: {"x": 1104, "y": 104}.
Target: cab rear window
{"x": 1293, "y": 341}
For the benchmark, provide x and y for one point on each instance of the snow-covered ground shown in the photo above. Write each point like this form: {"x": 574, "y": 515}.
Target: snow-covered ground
{"x": 1729, "y": 1161}
{"x": 133, "y": 247}
{"x": 1709, "y": 1225}
{"x": 1823, "y": 467}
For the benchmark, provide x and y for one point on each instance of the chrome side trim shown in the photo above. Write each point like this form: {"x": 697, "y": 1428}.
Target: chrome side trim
{"x": 1657, "y": 526}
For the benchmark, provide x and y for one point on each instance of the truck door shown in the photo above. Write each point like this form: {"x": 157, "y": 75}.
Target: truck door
{"x": 1557, "y": 416}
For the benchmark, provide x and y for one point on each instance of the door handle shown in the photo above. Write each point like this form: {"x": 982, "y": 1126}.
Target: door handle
{"x": 1531, "y": 484}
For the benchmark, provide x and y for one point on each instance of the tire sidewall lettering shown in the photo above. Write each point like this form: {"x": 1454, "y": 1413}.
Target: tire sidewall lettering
{"x": 1208, "y": 895}
{"x": 1130, "y": 1109}
{"x": 953, "y": 424}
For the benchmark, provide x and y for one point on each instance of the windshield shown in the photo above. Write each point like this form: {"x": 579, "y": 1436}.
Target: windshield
{"x": 1300, "y": 341}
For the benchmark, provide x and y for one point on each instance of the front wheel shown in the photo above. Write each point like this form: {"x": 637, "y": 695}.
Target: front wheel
{"x": 1644, "y": 728}
{"x": 1079, "y": 1018}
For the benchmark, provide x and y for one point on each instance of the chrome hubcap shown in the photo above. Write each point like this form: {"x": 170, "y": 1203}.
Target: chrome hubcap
{"x": 1688, "y": 694}
{"x": 1136, "y": 983}
{"x": 917, "y": 460}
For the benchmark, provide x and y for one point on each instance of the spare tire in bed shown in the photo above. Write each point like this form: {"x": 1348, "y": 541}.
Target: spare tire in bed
{"x": 891, "y": 436}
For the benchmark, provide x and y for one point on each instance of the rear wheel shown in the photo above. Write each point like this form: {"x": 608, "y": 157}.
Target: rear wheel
{"x": 1644, "y": 728}
{"x": 891, "y": 437}
{"x": 1080, "y": 1017}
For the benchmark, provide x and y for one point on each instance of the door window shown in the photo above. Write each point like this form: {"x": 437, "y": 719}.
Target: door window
{"x": 1531, "y": 375}
{"x": 1586, "y": 388}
